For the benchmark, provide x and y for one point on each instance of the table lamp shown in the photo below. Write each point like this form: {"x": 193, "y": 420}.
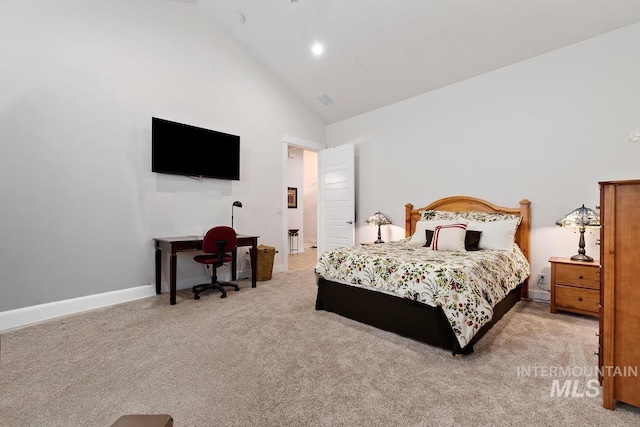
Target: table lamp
{"x": 235, "y": 204}
{"x": 378, "y": 219}
{"x": 581, "y": 218}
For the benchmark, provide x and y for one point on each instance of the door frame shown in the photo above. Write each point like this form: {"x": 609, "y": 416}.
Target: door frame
{"x": 292, "y": 141}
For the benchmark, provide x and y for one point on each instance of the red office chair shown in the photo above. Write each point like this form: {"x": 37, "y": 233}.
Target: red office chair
{"x": 218, "y": 246}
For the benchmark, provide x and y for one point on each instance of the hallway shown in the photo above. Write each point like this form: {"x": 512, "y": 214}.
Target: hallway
{"x": 303, "y": 260}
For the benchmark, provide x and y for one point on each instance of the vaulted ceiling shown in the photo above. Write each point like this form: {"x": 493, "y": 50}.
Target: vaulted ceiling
{"x": 378, "y": 52}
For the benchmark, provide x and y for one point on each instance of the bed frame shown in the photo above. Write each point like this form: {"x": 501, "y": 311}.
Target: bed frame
{"x": 413, "y": 319}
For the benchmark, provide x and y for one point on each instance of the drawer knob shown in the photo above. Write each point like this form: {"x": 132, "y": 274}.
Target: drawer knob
{"x": 580, "y": 276}
{"x": 579, "y": 298}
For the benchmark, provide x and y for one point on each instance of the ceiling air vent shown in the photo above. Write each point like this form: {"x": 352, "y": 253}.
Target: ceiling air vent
{"x": 325, "y": 99}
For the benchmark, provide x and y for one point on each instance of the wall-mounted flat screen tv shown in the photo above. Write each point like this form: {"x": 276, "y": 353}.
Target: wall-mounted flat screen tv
{"x": 182, "y": 149}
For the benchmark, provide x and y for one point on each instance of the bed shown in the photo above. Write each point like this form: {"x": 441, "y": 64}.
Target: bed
{"x": 367, "y": 298}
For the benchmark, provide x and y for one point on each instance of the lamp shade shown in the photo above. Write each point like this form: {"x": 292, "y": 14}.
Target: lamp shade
{"x": 378, "y": 218}
{"x": 581, "y": 217}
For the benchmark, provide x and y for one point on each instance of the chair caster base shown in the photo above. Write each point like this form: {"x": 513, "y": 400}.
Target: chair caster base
{"x": 198, "y": 289}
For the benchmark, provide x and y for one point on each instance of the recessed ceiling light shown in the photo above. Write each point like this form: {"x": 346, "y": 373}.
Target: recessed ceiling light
{"x": 317, "y": 49}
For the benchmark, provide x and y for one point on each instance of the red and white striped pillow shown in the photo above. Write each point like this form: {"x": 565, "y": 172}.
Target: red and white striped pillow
{"x": 449, "y": 237}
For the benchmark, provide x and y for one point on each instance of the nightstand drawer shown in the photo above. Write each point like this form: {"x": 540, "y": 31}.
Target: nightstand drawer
{"x": 578, "y": 275}
{"x": 577, "y": 298}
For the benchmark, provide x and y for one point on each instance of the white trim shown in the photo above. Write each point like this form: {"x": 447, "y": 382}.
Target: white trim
{"x": 284, "y": 209}
{"x": 37, "y": 313}
{"x": 302, "y": 143}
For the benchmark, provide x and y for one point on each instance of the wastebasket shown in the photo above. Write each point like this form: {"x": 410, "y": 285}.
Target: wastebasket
{"x": 265, "y": 257}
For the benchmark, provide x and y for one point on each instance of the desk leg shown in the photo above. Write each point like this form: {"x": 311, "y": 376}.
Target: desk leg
{"x": 158, "y": 271}
{"x": 254, "y": 264}
{"x": 172, "y": 280}
{"x": 234, "y": 265}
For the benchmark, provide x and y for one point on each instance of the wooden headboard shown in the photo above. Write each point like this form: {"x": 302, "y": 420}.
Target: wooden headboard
{"x": 467, "y": 204}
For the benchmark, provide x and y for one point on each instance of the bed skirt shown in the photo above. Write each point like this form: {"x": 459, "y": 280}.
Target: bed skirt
{"x": 402, "y": 316}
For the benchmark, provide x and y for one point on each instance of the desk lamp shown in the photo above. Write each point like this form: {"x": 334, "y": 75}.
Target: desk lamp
{"x": 581, "y": 218}
{"x": 378, "y": 219}
{"x": 235, "y": 204}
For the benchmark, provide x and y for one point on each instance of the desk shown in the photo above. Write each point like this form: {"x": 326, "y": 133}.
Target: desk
{"x": 173, "y": 245}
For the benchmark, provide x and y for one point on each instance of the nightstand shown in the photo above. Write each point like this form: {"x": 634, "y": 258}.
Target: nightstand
{"x": 575, "y": 286}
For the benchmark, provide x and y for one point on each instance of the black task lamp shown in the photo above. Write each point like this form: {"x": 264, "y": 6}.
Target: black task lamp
{"x": 235, "y": 204}
{"x": 581, "y": 218}
{"x": 378, "y": 219}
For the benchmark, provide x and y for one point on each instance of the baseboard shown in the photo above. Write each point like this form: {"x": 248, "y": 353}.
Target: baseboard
{"x": 37, "y": 313}
{"x": 539, "y": 295}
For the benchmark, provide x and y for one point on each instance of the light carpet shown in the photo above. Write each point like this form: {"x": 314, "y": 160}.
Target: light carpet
{"x": 265, "y": 357}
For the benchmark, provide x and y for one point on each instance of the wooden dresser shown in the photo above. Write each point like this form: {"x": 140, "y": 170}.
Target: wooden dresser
{"x": 620, "y": 291}
{"x": 575, "y": 286}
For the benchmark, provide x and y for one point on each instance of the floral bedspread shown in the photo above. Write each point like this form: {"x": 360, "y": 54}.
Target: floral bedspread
{"x": 467, "y": 285}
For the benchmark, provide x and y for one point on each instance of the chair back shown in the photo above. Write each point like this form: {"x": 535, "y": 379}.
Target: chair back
{"x": 216, "y": 234}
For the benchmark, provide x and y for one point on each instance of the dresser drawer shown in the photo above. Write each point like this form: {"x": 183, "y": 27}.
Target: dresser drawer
{"x": 577, "y": 298}
{"x": 578, "y": 275}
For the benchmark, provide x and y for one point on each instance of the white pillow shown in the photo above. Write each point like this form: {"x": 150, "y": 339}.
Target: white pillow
{"x": 496, "y": 235}
{"x": 419, "y": 237}
{"x": 449, "y": 237}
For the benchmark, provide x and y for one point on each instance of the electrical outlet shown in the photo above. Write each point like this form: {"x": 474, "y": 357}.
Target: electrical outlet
{"x": 542, "y": 278}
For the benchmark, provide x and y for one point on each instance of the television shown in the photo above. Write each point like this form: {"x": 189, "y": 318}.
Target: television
{"x": 182, "y": 149}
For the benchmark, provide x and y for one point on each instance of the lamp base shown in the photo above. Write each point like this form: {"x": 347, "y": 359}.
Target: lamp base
{"x": 582, "y": 257}
{"x": 379, "y": 241}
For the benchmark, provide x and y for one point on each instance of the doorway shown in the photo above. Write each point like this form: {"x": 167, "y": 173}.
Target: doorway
{"x": 302, "y": 208}
{"x": 306, "y": 146}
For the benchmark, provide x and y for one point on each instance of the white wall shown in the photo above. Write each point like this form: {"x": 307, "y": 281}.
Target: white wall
{"x": 80, "y": 82}
{"x": 546, "y": 129}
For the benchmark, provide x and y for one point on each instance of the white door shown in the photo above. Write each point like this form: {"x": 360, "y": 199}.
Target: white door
{"x": 336, "y": 197}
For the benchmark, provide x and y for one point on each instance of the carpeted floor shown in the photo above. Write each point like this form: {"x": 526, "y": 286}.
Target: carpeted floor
{"x": 265, "y": 357}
